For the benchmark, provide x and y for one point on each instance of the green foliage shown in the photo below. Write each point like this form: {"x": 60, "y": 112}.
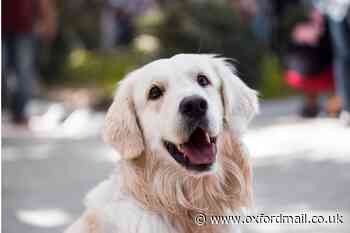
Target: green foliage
{"x": 102, "y": 71}
{"x": 272, "y": 83}
{"x": 185, "y": 26}
{"x": 78, "y": 27}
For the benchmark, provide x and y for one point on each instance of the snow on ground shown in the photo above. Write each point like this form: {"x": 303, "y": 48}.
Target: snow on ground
{"x": 299, "y": 166}
{"x": 320, "y": 138}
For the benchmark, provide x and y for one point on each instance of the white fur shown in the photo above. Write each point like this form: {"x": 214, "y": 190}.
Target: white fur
{"x": 136, "y": 126}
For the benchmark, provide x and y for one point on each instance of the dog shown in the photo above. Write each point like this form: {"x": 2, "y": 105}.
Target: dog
{"x": 177, "y": 124}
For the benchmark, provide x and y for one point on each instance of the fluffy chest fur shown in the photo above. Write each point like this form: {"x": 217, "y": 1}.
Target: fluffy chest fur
{"x": 135, "y": 199}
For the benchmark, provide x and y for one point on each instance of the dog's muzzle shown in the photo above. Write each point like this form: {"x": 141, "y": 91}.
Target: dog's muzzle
{"x": 199, "y": 151}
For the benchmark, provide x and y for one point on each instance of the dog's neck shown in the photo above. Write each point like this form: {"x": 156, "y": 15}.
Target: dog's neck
{"x": 173, "y": 193}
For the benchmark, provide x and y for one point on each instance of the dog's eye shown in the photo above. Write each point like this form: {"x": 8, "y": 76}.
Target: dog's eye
{"x": 203, "y": 80}
{"x": 154, "y": 93}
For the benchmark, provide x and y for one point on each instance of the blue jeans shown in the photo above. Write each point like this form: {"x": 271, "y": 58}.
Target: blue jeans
{"x": 18, "y": 55}
{"x": 340, "y": 34}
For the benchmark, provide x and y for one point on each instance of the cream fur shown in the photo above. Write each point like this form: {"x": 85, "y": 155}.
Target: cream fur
{"x": 149, "y": 191}
{"x": 121, "y": 124}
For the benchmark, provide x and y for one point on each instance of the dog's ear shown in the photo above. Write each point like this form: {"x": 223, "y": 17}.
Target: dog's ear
{"x": 240, "y": 102}
{"x": 122, "y": 129}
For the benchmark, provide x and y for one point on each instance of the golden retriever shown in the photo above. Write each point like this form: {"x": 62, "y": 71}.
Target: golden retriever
{"x": 177, "y": 124}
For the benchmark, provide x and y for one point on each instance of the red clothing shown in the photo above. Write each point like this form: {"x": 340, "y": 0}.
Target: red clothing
{"x": 17, "y": 16}
{"x": 313, "y": 84}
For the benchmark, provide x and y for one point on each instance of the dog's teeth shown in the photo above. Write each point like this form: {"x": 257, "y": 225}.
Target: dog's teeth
{"x": 207, "y": 137}
{"x": 179, "y": 147}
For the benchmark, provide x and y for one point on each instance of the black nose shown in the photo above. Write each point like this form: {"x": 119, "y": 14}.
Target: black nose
{"x": 193, "y": 107}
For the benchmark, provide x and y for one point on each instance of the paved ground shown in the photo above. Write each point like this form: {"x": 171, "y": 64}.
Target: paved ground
{"x": 300, "y": 166}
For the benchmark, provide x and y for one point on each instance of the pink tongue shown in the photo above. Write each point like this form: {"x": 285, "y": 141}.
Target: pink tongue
{"x": 198, "y": 149}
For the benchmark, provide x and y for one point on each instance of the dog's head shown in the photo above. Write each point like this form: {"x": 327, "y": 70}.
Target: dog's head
{"x": 176, "y": 108}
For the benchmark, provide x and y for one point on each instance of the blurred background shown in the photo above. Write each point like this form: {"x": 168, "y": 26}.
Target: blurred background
{"x": 61, "y": 61}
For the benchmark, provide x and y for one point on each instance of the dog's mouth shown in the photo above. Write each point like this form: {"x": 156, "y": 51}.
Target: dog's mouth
{"x": 198, "y": 153}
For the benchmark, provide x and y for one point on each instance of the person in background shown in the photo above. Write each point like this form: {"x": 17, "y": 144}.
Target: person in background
{"x": 264, "y": 17}
{"x": 308, "y": 62}
{"x": 117, "y": 27}
{"x": 22, "y": 22}
{"x": 337, "y": 12}
{"x": 117, "y": 21}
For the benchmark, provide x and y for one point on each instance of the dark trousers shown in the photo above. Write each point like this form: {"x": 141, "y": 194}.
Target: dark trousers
{"x": 340, "y": 34}
{"x": 17, "y": 56}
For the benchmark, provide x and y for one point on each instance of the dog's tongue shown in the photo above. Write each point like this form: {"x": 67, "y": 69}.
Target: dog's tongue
{"x": 198, "y": 149}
